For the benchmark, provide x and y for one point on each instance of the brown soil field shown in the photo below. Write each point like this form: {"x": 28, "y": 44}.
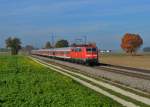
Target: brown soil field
{"x": 139, "y": 61}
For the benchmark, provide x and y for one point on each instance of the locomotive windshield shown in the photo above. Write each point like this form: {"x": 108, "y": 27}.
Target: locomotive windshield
{"x": 91, "y": 49}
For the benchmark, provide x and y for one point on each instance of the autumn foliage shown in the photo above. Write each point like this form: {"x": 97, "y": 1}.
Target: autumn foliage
{"x": 131, "y": 42}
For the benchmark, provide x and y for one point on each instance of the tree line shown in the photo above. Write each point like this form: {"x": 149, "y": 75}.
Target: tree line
{"x": 59, "y": 44}
{"x": 14, "y": 44}
{"x": 130, "y": 43}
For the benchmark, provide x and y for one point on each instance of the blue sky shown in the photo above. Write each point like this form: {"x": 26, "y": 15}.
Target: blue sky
{"x": 102, "y": 21}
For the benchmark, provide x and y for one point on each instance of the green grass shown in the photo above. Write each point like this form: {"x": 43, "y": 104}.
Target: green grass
{"x": 4, "y": 53}
{"x": 24, "y": 83}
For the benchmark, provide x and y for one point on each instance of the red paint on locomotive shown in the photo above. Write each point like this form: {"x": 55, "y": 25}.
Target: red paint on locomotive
{"x": 80, "y": 53}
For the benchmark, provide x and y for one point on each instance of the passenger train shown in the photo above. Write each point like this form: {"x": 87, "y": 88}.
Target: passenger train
{"x": 84, "y": 54}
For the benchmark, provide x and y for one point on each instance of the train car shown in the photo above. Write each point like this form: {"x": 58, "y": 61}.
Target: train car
{"x": 85, "y": 54}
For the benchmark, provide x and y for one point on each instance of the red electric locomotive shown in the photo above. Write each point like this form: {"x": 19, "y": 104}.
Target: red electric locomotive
{"x": 85, "y": 54}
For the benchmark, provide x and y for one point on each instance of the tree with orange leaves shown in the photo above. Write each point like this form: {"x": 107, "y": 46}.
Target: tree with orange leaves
{"x": 131, "y": 43}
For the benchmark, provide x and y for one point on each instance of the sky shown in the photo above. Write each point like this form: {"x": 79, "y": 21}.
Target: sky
{"x": 102, "y": 21}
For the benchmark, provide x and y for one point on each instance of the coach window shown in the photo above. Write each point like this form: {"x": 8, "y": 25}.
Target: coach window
{"x": 66, "y": 52}
{"x": 72, "y": 50}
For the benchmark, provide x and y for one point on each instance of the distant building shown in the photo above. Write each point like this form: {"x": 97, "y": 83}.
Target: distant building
{"x": 105, "y": 51}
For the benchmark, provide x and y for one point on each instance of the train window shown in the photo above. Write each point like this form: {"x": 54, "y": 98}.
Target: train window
{"x": 61, "y": 52}
{"x": 76, "y": 50}
{"x": 88, "y": 49}
{"x": 93, "y": 49}
{"x": 72, "y": 50}
{"x": 66, "y": 52}
{"x": 79, "y": 49}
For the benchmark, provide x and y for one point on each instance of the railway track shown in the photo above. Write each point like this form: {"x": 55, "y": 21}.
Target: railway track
{"x": 126, "y": 77}
{"x": 128, "y": 72}
{"x": 126, "y": 68}
{"x": 99, "y": 86}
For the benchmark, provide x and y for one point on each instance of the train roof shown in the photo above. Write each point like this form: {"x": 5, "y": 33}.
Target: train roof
{"x": 85, "y": 45}
{"x": 65, "y": 48}
{"x": 55, "y": 49}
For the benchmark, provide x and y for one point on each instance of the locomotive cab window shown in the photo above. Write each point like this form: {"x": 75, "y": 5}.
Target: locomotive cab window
{"x": 78, "y": 50}
{"x": 91, "y": 50}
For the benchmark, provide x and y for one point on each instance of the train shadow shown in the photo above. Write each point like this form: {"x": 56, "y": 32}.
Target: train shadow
{"x": 102, "y": 64}
{"x": 97, "y": 65}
